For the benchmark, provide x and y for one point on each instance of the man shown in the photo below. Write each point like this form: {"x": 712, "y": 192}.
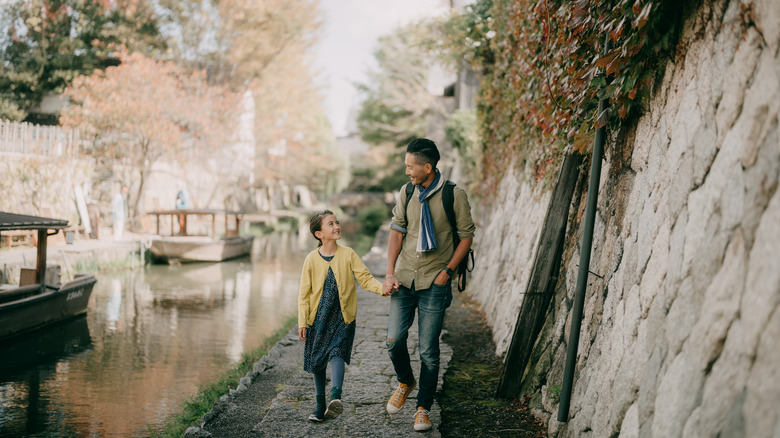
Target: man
{"x": 119, "y": 212}
{"x": 421, "y": 243}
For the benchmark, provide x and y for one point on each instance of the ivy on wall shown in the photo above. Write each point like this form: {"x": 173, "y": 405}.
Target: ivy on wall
{"x": 545, "y": 69}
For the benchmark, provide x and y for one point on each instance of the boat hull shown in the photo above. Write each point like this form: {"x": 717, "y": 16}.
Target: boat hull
{"x": 35, "y": 311}
{"x": 44, "y": 347}
{"x": 201, "y": 249}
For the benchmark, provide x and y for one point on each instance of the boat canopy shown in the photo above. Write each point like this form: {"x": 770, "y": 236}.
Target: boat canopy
{"x": 12, "y": 221}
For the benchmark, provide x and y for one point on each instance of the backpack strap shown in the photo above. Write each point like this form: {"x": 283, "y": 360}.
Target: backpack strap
{"x": 409, "y": 188}
{"x": 447, "y": 200}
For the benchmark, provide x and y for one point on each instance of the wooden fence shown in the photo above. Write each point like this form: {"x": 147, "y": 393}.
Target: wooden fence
{"x": 28, "y": 139}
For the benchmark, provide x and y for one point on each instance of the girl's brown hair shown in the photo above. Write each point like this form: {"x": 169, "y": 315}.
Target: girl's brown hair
{"x": 315, "y": 224}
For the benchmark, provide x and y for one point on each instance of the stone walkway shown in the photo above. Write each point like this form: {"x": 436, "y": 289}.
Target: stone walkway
{"x": 368, "y": 384}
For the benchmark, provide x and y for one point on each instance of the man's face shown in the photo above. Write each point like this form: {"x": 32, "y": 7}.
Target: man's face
{"x": 418, "y": 173}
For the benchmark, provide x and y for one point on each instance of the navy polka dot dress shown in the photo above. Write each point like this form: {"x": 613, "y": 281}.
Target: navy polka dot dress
{"x": 329, "y": 336}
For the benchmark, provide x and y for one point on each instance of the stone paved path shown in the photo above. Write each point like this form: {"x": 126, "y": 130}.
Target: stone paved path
{"x": 368, "y": 384}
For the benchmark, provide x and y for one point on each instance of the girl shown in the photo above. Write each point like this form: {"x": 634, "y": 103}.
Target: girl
{"x": 327, "y": 306}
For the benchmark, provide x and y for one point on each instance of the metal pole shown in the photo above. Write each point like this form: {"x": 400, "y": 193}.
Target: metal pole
{"x": 582, "y": 274}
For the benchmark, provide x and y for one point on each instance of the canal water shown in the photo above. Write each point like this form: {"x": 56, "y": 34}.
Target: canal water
{"x": 150, "y": 338}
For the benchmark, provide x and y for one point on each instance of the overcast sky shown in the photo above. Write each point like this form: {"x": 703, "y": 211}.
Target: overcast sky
{"x": 350, "y": 32}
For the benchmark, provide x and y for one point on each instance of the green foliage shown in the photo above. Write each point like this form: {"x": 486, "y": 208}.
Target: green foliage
{"x": 462, "y": 37}
{"x": 47, "y": 43}
{"x": 361, "y": 243}
{"x": 329, "y": 170}
{"x": 550, "y": 71}
{"x": 9, "y": 109}
{"x": 545, "y": 69}
{"x": 462, "y": 131}
{"x": 372, "y": 217}
{"x": 554, "y": 391}
{"x": 364, "y": 180}
{"x": 395, "y": 179}
{"x": 396, "y": 99}
{"x": 197, "y": 406}
{"x": 493, "y": 403}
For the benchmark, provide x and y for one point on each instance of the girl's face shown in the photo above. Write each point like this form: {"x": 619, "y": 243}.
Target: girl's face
{"x": 330, "y": 228}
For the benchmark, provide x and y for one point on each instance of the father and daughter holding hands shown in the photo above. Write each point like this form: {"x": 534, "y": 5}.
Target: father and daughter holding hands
{"x": 421, "y": 260}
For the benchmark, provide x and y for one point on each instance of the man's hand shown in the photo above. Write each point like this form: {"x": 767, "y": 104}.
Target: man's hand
{"x": 442, "y": 278}
{"x": 302, "y": 333}
{"x": 390, "y": 284}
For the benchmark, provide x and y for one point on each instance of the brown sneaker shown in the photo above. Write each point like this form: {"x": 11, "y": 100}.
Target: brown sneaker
{"x": 421, "y": 420}
{"x": 399, "y": 397}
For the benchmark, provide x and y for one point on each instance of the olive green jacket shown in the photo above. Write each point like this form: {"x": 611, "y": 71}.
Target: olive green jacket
{"x": 422, "y": 268}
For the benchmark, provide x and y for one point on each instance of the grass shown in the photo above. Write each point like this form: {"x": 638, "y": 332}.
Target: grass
{"x": 554, "y": 391}
{"x": 467, "y": 398}
{"x": 193, "y": 409}
{"x": 93, "y": 266}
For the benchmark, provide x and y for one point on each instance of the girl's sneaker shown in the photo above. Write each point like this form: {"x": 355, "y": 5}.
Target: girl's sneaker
{"x": 335, "y": 407}
{"x": 319, "y": 414}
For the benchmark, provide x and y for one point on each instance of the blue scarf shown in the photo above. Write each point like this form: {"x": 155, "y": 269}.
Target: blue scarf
{"x": 427, "y": 240}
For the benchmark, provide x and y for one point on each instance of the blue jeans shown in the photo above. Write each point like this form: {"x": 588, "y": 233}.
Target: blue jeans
{"x": 430, "y": 305}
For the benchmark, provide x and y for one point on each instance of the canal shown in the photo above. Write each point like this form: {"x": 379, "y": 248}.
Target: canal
{"x": 150, "y": 338}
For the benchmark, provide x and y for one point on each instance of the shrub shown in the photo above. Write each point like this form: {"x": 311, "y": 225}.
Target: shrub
{"x": 372, "y": 217}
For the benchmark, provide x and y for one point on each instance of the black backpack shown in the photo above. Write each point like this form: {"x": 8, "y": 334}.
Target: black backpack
{"x": 447, "y": 200}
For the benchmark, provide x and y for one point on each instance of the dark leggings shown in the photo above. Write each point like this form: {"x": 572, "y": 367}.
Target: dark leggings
{"x": 336, "y": 376}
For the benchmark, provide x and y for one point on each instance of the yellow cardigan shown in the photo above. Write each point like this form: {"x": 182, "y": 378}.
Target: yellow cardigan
{"x": 345, "y": 264}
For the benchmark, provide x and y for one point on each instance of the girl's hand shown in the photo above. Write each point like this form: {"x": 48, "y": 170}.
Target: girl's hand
{"x": 302, "y": 333}
{"x": 390, "y": 284}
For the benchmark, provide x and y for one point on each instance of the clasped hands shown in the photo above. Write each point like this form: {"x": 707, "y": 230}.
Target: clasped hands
{"x": 390, "y": 284}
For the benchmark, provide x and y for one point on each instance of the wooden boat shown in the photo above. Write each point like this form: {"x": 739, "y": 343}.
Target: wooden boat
{"x": 198, "y": 246}
{"x": 38, "y": 301}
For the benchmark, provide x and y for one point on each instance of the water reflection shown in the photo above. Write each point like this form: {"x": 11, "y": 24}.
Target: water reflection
{"x": 149, "y": 339}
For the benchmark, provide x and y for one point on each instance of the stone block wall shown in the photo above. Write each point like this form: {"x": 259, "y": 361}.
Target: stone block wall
{"x": 680, "y": 336}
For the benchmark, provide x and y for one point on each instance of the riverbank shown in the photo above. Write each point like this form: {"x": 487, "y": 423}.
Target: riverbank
{"x": 84, "y": 255}
{"x": 202, "y": 402}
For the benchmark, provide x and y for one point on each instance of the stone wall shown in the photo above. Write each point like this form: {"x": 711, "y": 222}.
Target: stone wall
{"x": 680, "y": 336}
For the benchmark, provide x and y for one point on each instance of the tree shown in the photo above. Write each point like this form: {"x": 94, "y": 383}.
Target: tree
{"x": 236, "y": 41}
{"x": 397, "y": 101}
{"x": 143, "y": 110}
{"x": 47, "y": 43}
{"x": 263, "y": 46}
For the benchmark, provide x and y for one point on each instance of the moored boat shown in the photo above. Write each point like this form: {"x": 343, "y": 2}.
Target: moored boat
{"x": 39, "y": 300}
{"x": 200, "y": 246}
